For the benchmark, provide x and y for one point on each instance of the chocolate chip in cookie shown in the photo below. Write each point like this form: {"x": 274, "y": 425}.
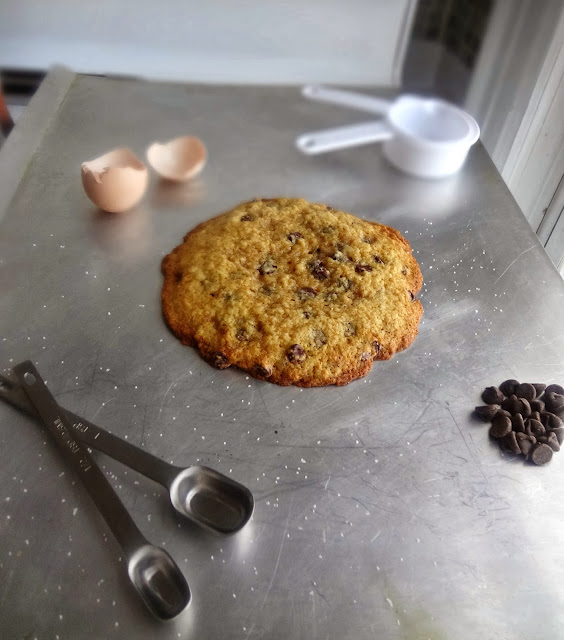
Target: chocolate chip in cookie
{"x": 319, "y": 338}
{"x": 294, "y": 236}
{"x": 262, "y": 371}
{"x": 296, "y": 354}
{"x": 242, "y": 334}
{"x": 344, "y": 283}
{"x": 306, "y": 293}
{"x": 318, "y": 270}
{"x": 268, "y": 266}
{"x": 218, "y": 360}
{"x": 339, "y": 256}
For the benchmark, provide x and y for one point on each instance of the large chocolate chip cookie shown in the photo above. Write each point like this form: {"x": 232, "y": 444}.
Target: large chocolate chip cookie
{"x": 293, "y": 292}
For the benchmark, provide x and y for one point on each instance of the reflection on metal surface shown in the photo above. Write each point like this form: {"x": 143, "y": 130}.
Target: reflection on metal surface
{"x": 166, "y": 193}
{"x": 125, "y": 236}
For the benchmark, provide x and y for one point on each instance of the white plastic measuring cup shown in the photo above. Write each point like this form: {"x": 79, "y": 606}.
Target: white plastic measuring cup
{"x": 424, "y": 137}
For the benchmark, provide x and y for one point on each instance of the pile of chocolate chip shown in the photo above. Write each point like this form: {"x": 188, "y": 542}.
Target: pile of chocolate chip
{"x": 526, "y": 418}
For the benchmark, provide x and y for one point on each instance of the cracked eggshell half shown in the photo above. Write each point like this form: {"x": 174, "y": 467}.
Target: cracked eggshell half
{"x": 116, "y": 181}
{"x": 179, "y": 159}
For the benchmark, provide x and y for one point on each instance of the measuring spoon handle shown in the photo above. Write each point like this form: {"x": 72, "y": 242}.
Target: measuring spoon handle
{"x": 87, "y": 432}
{"x": 109, "y": 505}
{"x": 129, "y": 454}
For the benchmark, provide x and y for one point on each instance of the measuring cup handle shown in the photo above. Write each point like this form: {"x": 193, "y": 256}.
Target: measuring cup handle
{"x": 343, "y": 137}
{"x": 346, "y": 99}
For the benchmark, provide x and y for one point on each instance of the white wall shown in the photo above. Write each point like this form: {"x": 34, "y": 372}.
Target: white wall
{"x": 230, "y": 41}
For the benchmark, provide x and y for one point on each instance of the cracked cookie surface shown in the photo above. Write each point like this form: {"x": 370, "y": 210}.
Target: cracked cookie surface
{"x": 293, "y": 292}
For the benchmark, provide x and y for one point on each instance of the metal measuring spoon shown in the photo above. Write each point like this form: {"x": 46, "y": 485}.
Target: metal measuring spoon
{"x": 208, "y": 498}
{"x": 152, "y": 571}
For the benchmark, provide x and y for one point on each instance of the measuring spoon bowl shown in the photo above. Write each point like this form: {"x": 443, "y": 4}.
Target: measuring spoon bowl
{"x": 211, "y": 499}
{"x": 207, "y": 497}
{"x": 158, "y": 581}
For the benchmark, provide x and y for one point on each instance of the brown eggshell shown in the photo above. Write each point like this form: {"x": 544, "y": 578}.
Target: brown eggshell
{"x": 116, "y": 181}
{"x": 179, "y": 159}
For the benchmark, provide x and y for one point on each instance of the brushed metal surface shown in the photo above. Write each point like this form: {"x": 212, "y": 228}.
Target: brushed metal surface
{"x": 382, "y": 509}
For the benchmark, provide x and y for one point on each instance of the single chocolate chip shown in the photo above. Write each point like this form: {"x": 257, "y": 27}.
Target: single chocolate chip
{"x": 554, "y": 402}
{"x": 501, "y": 426}
{"x": 318, "y": 270}
{"x": 218, "y": 360}
{"x": 487, "y": 412}
{"x": 344, "y": 283}
{"x": 511, "y": 404}
{"x": 550, "y": 420}
{"x": 535, "y": 428}
{"x": 526, "y": 390}
{"x": 537, "y": 405}
{"x": 526, "y": 442}
{"x": 268, "y": 266}
{"x": 296, "y": 354}
{"x": 539, "y": 388}
{"x": 262, "y": 371}
{"x": 350, "y": 329}
{"x": 376, "y": 347}
{"x": 319, "y": 338}
{"x": 559, "y": 433}
{"x": 306, "y": 293}
{"x": 307, "y": 315}
{"x": 492, "y": 395}
{"x": 518, "y": 423}
{"x": 541, "y": 454}
{"x": 361, "y": 268}
{"x": 509, "y": 443}
{"x": 246, "y": 218}
{"x": 404, "y": 271}
{"x": 412, "y": 296}
{"x": 293, "y": 237}
{"x": 242, "y": 335}
{"x": 524, "y": 408}
{"x": 378, "y": 259}
{"x": 552, "y": 441}
{"x": 555, "y": 388}
{"x": 508, "y": 387}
